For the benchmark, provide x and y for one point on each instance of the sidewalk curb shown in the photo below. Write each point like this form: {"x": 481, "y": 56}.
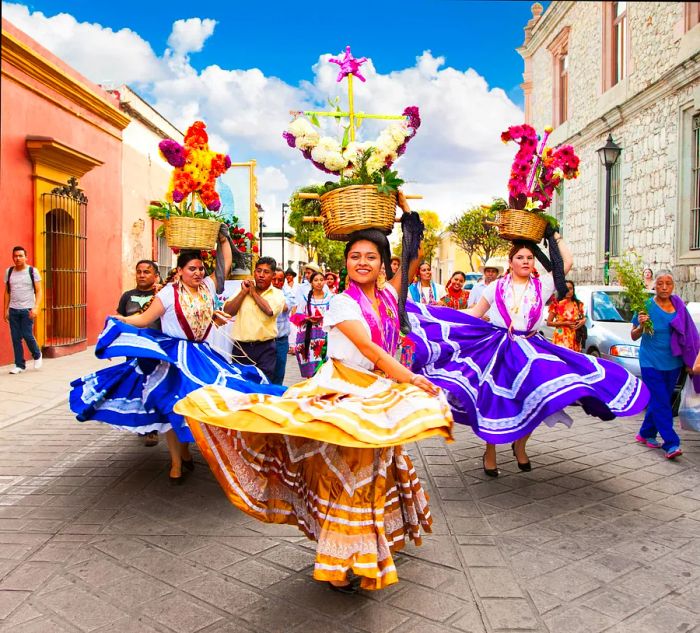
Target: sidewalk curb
{"x": 42, "y": 408}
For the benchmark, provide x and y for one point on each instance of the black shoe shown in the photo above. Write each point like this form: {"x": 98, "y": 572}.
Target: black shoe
{"x": 176, "y": 481}
{"x": 188, "y": 464}
{"x": 352, "y": 587}
{"x": 525, "y": 466}
{"x": 489, "y": 472}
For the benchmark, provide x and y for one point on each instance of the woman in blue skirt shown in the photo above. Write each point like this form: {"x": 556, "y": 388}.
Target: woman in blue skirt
{"x": 163, "y": 367}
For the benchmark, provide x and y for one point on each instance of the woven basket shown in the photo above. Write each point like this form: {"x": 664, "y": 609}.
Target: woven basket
{"x": 355, "y": 208}
{"x": 514, "y": 224}
{"x": 196, "y": 233}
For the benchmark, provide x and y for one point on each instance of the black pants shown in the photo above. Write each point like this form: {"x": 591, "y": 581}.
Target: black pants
{"x": 262, "y": 354}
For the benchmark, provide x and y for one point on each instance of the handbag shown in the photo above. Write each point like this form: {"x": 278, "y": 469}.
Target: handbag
{"x": 582, "y": 332}
{"x": 689, "y": 409}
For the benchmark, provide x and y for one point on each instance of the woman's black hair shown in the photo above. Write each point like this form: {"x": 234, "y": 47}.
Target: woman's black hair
{"x": 573, "y": 287}
{"x": 309, "y": 324}
{"x": 185, "y": 257}
{"x": 379, "y": 240}
{"x": 412, "y": 229}
{"x": 458, "y": 272}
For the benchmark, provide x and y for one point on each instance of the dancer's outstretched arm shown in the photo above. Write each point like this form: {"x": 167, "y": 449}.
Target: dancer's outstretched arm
{"x": 565, "y": 253}
{"x": 152, "y": 313}
{"x": 382, "y": 360}
{"x": 480, "y": 309}
{"x": 395, "y": 281}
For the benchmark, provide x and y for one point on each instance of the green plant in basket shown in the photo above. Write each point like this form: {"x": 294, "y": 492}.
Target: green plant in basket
{"x": 629, "y": 269}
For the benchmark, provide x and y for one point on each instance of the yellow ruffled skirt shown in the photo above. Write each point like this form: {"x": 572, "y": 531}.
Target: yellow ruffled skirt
{"x": 326, "y": 457}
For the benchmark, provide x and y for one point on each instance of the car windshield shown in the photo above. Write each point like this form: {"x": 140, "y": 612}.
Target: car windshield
{"x": 611, "y": 307}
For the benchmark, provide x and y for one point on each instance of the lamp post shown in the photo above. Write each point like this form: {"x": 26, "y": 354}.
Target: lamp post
{"x": 285, "y": 206}
{"x": 608, "y": 154}
{"x": 261, "y": 214}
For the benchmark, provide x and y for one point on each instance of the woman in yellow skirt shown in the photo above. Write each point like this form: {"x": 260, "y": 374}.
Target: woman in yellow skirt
{"x": 327, "y": 456}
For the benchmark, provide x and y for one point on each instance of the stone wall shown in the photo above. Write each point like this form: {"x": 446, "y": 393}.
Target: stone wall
{"x": 644, "y": 113}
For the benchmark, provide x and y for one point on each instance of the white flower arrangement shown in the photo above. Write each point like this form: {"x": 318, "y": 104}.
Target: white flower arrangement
{"x": 330, "y": 156}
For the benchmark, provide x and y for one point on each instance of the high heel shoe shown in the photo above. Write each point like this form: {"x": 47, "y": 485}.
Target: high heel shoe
{"x": 188, "y": 463}
{"x": 524, "y": 466}
{"x": 489, "y": 472}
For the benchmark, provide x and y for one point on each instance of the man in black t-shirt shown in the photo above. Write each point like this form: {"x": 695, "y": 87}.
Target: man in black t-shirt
{"x": 137, "y": 300}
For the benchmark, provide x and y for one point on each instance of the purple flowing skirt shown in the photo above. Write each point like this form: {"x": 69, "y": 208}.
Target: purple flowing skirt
{"x": 503, "y": 386}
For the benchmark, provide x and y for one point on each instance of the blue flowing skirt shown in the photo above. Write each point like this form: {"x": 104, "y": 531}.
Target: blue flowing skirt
{"x": 504, "y": 385}
{"x": 139, "y": 394}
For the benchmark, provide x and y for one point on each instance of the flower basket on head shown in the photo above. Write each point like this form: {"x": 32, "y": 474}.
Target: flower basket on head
{"x": 189, "y": 216}
{"x": 514, "y": 225}
{"x": 366, "y": 194}
{"x": 191, "y": 233}
{"x": 537, "y": 172}
{"x": 353, "y": 208}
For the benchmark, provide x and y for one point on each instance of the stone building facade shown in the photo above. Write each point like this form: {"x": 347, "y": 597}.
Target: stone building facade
{"x": 631, "y": 70}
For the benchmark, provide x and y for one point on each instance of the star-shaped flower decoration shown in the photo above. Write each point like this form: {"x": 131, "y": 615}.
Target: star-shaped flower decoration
{"x": 349, "y": 65}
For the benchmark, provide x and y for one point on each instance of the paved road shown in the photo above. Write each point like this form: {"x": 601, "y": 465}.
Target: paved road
{"x": 603, "y": 535}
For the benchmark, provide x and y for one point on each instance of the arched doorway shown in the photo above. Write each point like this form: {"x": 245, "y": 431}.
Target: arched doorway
{"x": 65, "y": 247}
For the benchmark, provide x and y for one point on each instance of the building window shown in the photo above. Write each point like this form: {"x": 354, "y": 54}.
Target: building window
{"x": 615, "y": 43}
{"x": 563, "y": 78}
{"x": 692, "y": 15}
{"x": 615, "y": 186}
{"x": 559, "y": 48}
{"x": 165, "y": 257}
{"x": 559, "y": 208}
{"x": 619, "y": 28}
{"x": 695, "y": 187}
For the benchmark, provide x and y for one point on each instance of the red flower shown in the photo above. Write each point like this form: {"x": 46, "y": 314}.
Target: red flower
{"x": 255, "y": 248}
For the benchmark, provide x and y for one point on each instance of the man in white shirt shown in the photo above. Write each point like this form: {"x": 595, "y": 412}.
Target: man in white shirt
{"x": 283, "y": 327}
{"x": 22, "y": 300}
{"x": 490, "y": 270}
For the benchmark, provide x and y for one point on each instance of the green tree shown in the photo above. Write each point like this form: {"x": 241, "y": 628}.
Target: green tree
{"x": 311, "y": 234}
{"x": 474, "y": 236}
{"x": 332, "y": 254}
{"x": 431, "y": 236}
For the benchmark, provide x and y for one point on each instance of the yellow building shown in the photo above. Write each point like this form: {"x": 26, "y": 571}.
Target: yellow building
{"x": 449, "y": 257}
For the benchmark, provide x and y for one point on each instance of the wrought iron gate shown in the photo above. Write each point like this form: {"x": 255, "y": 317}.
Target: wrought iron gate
{"x": 65, "y": 273}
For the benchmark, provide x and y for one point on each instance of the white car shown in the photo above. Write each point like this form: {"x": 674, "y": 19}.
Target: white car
{"x": 608, "y": 320}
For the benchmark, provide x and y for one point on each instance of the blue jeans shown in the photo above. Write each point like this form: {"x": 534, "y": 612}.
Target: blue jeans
{"x": 21, "y": 325}
{"x": 659, "y": 415}
{"x": 282, "y": 349}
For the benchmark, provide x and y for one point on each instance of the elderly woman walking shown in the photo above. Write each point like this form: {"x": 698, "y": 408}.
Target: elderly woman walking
{"x": 663, "y": 352}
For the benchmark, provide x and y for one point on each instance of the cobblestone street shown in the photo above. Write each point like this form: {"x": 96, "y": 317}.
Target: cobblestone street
{"x": 602, "y": 535}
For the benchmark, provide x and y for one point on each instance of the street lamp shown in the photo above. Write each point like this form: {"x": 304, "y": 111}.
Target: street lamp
{"x": 608, "y": 154}
{"x": 261, "y": 214}
{"x": 285, "y": 206}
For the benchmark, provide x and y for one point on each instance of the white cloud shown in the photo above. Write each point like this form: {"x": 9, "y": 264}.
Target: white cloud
{"x": 188, "y": 36}
{"x": 456, "y": 159}
{"x": 99, "y": 53}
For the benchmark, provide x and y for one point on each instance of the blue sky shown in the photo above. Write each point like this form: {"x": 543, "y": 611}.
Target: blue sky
{"x": 284, "y": 38}
{"x": 243, "y": 66}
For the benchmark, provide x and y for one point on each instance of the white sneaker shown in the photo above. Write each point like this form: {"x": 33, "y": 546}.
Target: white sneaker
{"x": 38, "y": 362}
{"x": 16, "y": 370}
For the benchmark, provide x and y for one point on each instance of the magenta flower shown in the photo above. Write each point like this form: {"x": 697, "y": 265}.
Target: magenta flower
{"x": 173, "y": 152}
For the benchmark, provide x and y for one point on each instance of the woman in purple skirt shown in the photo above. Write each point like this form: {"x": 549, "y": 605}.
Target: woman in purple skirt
{"x": 502, "y": 377}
